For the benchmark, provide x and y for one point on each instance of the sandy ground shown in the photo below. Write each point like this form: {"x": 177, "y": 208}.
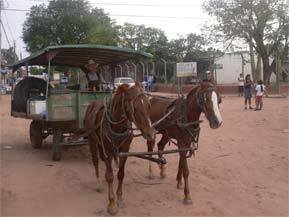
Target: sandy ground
{"x": 240, "y": 169}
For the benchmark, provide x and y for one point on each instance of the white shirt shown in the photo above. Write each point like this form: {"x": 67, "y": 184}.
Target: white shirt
{"x": 258, "y": 89}
{"x": 241, "y": 81}
{"x": 93, "y": 76}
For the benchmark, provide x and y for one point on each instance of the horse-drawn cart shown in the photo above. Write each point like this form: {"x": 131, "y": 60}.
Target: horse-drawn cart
{"x": 60, "y": 111}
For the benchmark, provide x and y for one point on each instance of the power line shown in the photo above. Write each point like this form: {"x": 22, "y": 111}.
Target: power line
{"x": 5, "y": 34}
{"x": 8, "y": 26}
{"x": 133, "y": 5}
{"x": 148, "y": 16}
{"x": 126, "y": 15}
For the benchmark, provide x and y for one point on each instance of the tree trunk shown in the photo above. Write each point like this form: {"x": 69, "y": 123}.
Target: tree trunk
{"x": 266, "y": 69}
{"x": 258, "y": 69}
{"x": 252, "y": 60}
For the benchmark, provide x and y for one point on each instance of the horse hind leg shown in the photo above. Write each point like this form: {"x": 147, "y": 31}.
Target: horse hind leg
{"x": 94, "y": 156}
{"x": 161, "y": 145}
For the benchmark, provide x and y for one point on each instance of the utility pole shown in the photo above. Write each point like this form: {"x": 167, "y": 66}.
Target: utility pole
{"x": 1, "y": 6}
{"x": 165, "y": 69}
{"x": 14, "y": 50}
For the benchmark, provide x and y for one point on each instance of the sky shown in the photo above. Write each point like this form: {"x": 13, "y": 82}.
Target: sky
{"x": 175, "y": 18}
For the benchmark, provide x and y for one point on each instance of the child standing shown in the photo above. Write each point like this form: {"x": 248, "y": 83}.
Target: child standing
{"x": 247, "y": 91}
{"x": 259, "y": 90}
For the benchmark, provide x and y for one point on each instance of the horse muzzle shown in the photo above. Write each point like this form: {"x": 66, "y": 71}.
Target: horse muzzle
{"x": 215, "y": 123}
{"x": 149, "y": 136}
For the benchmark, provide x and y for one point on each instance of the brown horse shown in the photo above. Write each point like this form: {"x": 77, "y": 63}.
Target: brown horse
{"x": 182, "y": 124}
{"x": 109, "y": 127}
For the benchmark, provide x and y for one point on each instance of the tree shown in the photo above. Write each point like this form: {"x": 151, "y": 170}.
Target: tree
{"x": 177, "y": 49}
{"x": 143, "y": 38}
{"x": 67, "y": 22}
{"x": 261, "y": 23}
{"x": 9, "y": 55}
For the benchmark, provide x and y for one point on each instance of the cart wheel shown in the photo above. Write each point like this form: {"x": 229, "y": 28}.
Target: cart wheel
{"x": 36, "y": 134}
{"x": 56, "y": 147}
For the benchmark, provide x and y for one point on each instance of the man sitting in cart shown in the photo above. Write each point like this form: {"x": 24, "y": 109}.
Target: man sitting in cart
{"x": 94, "y": 77}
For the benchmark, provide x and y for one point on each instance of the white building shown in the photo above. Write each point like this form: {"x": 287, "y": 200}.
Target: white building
{"x": 232, "y": 67}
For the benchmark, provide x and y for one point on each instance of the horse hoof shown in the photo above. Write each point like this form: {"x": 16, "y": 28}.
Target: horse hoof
{"x": 112, "y": 210}
{"x": 120, "y": 204}
{"x": 180, "y": 185}
{"x": 151, "y": 177}
{"x": 163, "y": 175}
{"x": 100, "y": 189}
{"x": 188, "y": 201}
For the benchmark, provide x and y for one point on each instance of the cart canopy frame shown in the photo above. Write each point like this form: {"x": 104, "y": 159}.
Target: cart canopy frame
{"x": 78, "y": 56}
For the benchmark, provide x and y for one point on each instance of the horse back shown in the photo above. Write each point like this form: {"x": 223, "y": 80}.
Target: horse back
{"x": 91, "y": 113}
{"x": 159, "y": 107}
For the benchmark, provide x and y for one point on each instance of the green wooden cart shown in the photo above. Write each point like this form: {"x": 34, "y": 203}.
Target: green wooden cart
{"x": 61, "y": 111}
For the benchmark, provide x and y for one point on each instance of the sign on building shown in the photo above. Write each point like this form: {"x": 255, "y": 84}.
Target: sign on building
{"x": 186, "y": 69}
{"x": 218, "y": 66}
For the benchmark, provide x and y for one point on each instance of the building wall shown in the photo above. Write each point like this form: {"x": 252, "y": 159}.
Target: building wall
{"x": 232, "y": 67}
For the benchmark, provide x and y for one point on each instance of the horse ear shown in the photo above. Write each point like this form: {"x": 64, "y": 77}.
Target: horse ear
{"x": 138, "y": 84}
{"x": 122, "y": 88}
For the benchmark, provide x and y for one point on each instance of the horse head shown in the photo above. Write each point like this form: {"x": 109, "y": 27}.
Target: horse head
{"x": 136, "y": 106}
{"x": 208, "y": 99}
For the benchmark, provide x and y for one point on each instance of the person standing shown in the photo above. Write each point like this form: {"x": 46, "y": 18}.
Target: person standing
{"x": 150, "y": 82}
{"x": 209, "y": 77}
{"x": 241, "y": 84}
{"x": 259, "y": 90}
{"x": 248, "y": 85}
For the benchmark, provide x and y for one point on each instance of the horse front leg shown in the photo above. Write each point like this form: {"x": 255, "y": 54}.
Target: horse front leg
{"x": 179, "y": 177}
{"x": 185, "y": 169}
{"x": 150, "y": 145}
{"x": 94, "y": 155}
{"x": 112, "y": 207}
{"x": 120, "y": 176}
{"x": 161, "y": 145}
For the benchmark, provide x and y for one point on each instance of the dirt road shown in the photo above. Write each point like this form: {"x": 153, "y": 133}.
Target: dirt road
{"x": 240, "y": 169}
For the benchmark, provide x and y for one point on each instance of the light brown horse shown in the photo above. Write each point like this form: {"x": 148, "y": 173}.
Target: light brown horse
{"x": 182, "y": 124}
{"x": 109, "y": 127}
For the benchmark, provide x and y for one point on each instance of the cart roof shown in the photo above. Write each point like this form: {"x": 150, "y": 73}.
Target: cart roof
{"x": 78, "y": 55}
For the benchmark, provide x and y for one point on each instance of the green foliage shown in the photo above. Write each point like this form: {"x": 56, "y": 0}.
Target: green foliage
{"x": 9, "y": 55}
{"x": 36, "y": 70}
{"x": 143, "y": 38}
{"x": 67, "y": 22}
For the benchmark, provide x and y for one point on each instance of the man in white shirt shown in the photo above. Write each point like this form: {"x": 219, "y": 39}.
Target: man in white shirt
{"x": 259, "y": 90}
{"x": 94, "y": 78}
{"x": 241, "y": 84}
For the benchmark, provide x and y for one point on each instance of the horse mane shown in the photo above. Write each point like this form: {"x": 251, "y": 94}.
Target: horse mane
{"x": 201, "y": 85}
{"x": 193, "y": 91}
{"x": 121, "y": 89}
{"x": 117, "y": 99}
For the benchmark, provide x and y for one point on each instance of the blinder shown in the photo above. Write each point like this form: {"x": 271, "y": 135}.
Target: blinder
{"x": 202, "y": 98}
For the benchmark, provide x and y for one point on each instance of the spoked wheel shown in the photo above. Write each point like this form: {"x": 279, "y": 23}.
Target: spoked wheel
{"x": 36, "y": 137}
{"x": 56, "y": 147}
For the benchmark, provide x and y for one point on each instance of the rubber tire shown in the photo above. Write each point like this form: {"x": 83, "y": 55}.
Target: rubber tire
{"x": 56, "y": 148}
{"x": 35, "y": 132}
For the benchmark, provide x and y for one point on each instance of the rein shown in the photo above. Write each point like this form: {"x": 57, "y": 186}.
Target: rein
{"x": 107, "y": 122}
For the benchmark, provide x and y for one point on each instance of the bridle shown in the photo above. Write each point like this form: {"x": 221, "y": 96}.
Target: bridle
{"x": 132, "y": 106}
{"x": 202, "y": 98}
{"x": 127, "y": 114}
